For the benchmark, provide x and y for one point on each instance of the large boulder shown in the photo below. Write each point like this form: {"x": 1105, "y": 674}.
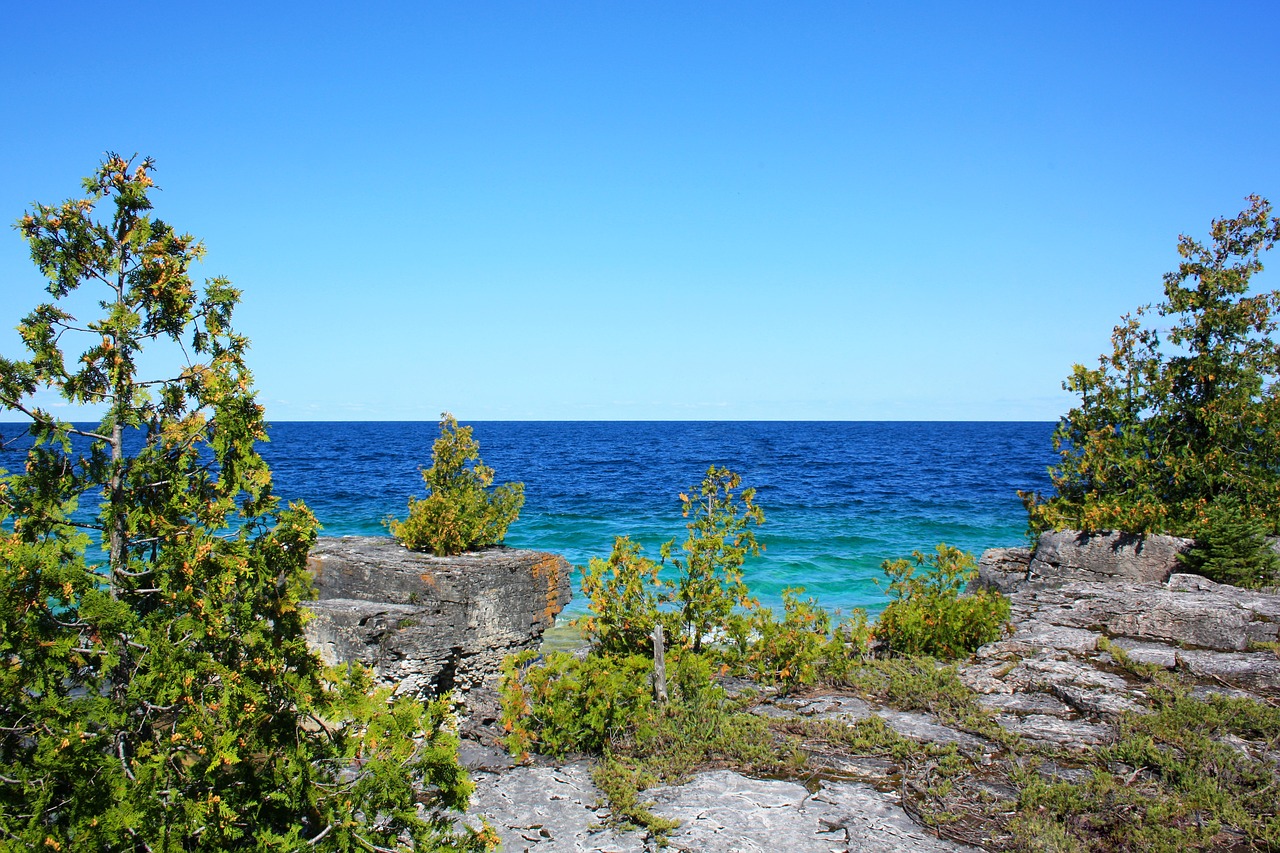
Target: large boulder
{"x": 427, "y": 624}
{"x": 1064, "y": 556}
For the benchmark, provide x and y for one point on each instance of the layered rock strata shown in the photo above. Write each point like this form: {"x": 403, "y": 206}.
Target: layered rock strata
{"x": 1079, "y": 596}
{"x": 427, "y": 624}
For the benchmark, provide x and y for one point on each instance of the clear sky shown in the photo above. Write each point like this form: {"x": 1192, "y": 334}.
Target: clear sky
{"x": 609, "y": 210}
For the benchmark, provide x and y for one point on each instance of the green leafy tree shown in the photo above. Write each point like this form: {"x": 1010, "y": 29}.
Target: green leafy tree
{"x": 161, "y": 696}
{"x": 1186, "y": 408}
{"x": 628, "y": 595}
{"x": 460, "y": 512}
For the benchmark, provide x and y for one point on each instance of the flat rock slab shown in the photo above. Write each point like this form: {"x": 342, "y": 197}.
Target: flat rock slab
{"x": 1051, "y": 729}
{"x": 850, "y": 709}
{"x": 554, "y": 809}
{"x": 725, "y": 812}
{"x": 548, "y": 810}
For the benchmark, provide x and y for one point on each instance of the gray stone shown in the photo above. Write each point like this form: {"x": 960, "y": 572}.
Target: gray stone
{"x": 925, "y": 728}
{"x": 1096, "y": 701}
{"x": 725, "y": 812}
{"x": 428, "y": 624}
{"x": 1255, "y": 671}
{"x": 1184, "y": 612}
{"x": 849, "y": 709}
{"x": 1155, "y": 654}
{"x": 1062, "y": 556}
{"x": 548, "y": 810}
{"x": 1037, "y": 635}
{"x": 1004, "y": 569}
{"x": 1025, "y": 703}
{"x": 554, "y": 809}
{"x": 1067, "y": 733}
{"x": 865, "y": 768}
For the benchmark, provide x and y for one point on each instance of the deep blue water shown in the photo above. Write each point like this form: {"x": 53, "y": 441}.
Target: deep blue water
{"x": 839, "y": 497}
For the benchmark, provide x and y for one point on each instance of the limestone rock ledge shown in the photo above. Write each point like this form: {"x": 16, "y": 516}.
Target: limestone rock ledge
{"x": 1051, "y": 678}
{"x": 427, "y": 624}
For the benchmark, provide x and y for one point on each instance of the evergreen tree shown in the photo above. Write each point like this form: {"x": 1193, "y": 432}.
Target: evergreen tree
{"x": 160, "y": 696}
{"x": 1231, "y": 548}
{"x": 1186, "y": 409}
{"x": 461, "y": 511}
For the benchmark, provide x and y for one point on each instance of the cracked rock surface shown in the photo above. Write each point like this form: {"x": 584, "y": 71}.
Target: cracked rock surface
{"x": 552, "y": 809}
{"x": 1052, "y": 680}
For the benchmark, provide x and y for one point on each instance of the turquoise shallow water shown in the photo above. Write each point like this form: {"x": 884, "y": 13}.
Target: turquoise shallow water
{"x": 839, "y": 497}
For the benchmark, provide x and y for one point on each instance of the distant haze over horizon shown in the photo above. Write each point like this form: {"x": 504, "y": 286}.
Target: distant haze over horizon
{"x": 661, "y": 211}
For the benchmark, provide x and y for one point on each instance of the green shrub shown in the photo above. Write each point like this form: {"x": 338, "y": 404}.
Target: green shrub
{"x": 628, "y": 597}
{"x": 460, "y": 512}
{"x": 604, "y": 705}
{"x": 558, "y": 705}
{"x": 803, "y": 648}
{"x": 710, "y": 582}
{"x": 1232, "y": 547}
{"x": 929, "y": 616}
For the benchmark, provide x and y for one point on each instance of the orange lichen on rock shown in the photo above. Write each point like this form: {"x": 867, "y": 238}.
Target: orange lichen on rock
{"x": 547, "y": 570}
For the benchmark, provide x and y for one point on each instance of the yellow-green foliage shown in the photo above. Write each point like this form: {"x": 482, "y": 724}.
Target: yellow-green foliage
{"x": 929, "y": 616}
{"x": 604, "y": 705}
{"x": 628, "y": 596}
{"x": 709, "y": 584}
{"x": 559, "y": 705}
{"x": 625, "y": 595}
{"x": 460, "y": 512}
{"x": 803, "y": 648}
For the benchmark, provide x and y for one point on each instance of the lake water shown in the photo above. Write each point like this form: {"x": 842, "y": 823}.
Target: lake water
{"x": 839, "y": 497}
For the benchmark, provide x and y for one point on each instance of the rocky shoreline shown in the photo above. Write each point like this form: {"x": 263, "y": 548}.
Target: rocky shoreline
{"x": 1088, "y": 614}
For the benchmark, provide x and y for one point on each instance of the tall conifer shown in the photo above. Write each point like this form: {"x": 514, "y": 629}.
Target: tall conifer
{"x": 158, "y": 695}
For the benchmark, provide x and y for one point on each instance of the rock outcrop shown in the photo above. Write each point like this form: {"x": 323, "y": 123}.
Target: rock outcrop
{"x": 1079, "y": 595}
{"x": 1056, "y": 681}
{"x": 428, "y": 624}
{"x": 1067, "y": 555}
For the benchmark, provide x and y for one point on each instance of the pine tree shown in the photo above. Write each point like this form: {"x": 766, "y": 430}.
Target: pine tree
{"x": 157, "y": 691}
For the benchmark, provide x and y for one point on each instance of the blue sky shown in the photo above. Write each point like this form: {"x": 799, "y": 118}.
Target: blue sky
{"x": 604, "y": 210}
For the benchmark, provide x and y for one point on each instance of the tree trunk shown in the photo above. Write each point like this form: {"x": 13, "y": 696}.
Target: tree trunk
{"x": 659, "y": 666}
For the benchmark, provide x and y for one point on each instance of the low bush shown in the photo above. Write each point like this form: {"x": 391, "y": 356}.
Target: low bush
{"x": 461, "y": 512}
{"x": 929, "y": 616}
{"x": 626, "y": 597}
{"x": 705, "y": 592}
{"x": 560, "y": 705}
{"x": 803, "y": 648}
{"x": 1193, "y": 774}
